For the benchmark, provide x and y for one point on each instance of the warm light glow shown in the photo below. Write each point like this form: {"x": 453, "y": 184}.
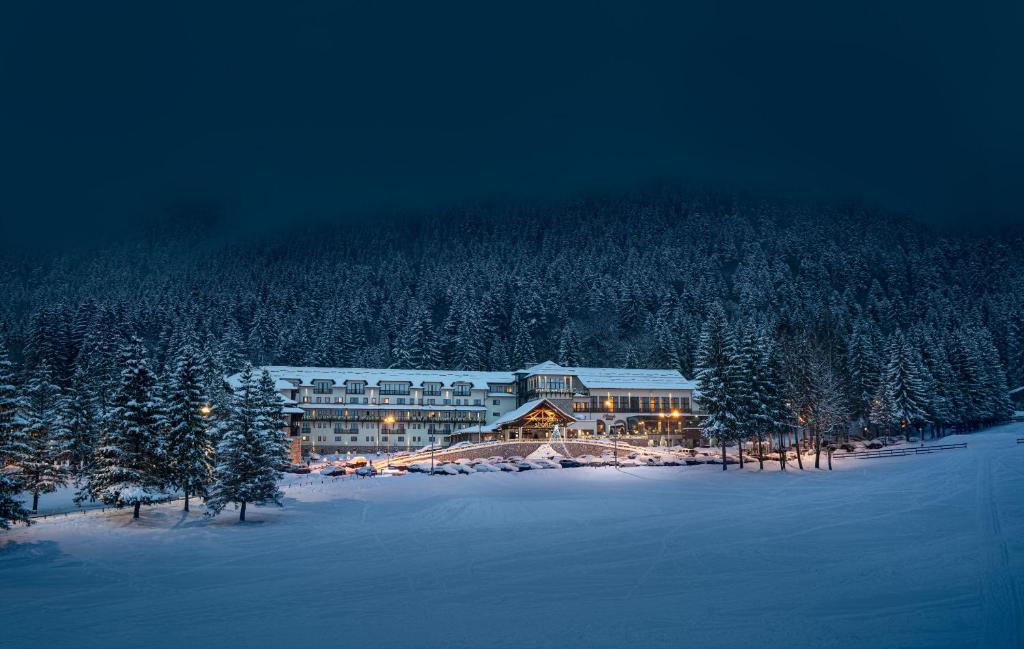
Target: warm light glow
{"x": 675, "y": 413}
{"x": 205, "y": 410}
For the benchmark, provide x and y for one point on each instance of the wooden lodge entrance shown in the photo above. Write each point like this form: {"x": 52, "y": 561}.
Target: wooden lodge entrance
{"x": 534, "y": 421}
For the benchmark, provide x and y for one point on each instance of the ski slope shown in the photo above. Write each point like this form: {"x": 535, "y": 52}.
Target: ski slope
{"x": 919, "y": 552}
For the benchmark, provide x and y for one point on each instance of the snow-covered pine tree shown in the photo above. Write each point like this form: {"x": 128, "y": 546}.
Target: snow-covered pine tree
{"x": 80, "y": 413}
{"x": 12, "y": 445}
{"x": 864, "y": 368}
{"x": 522, "y": 353}
{"x": 883, "y": 408}
{"x": 569, "y": 347}
{"x": 231, "y": 352}
{"x": 261, "y": 332}
{"x": 248, "y": 456}
{"x": 406, "y": 352}
{"x": 906, "y": 386}
{"x": 470, "y": 353}
{"x": 773, "y": 413}
{"x": 189, "y": 450}
{"x": 968, "y": 369}
{"x": 746, "y": 367}
{"x": 997, "y": 406}
{"x": 41, "y": 462}
{"x": 666, "y": 346}
{"x": 270, "y": 402}
{"x": 128, "y": 464}
{"x": 935, "y": 366}
{"x": 430, "y": 357}
{"x": 716, "y": 379}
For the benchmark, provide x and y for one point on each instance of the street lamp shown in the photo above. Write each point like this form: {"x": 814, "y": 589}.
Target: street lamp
{"x": 611, "y": 404}
{"x": 390, "y": 419}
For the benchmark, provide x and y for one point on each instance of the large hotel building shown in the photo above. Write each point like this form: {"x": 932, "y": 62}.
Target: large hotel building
{"x": 333, "y": 410}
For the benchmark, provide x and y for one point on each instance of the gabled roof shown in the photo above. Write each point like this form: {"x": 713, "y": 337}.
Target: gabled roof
{"x": 539, "y": 368}
{"x": 526, "y": 409}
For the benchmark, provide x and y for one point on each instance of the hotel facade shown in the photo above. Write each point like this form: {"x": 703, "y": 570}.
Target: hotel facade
{"x": 338, "y": 410}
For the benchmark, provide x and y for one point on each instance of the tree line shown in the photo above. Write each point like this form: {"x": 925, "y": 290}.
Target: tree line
{"x": 866, "y": 318}
{"x": 751, "y": 387}
{"x": 180, "y": 431}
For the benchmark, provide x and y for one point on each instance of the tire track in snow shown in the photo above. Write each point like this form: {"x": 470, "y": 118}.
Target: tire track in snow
{"x": 1001, "y": 605}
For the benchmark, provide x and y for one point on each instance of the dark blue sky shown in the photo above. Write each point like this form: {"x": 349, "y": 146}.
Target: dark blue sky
{"x": 111, "y": 112}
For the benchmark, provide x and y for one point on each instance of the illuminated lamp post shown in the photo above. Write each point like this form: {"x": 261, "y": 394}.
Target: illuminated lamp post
{"x": 611, "y": 409}
{"x": 389, "y": 420}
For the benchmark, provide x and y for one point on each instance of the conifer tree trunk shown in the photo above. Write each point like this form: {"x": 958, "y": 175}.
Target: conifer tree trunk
{"x": 829, "y": 459}
{"x": 782, "y": 457}
{"x": 724, "y": 465}
{"x": 35, "y": 500}
{"x": 817, "y": 450}
{"x": 135, "y": 513}
{"x": 186, "y": 499}
{"x": 241, "y": 513}
{"x": 739, "y": 445}
{"x": 799, "y": 454}
{"x": 760, "y": 452}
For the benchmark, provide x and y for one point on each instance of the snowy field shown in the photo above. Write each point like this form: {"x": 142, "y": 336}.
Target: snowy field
{"x": 923, "y": 551}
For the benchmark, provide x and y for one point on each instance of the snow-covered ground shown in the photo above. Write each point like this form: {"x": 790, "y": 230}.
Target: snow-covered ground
{"x": 923, "y": 551}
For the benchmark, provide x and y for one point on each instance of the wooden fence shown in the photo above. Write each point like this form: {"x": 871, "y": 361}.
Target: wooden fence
{"x": 898, "y": 452}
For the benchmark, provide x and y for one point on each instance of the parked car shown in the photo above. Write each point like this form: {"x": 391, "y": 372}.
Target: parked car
{"x": 569, "y": 463}
{"x": 506, "y": 466}
{"x": 333, "y": 471}
{"x": 357, "y": 462}
{"x": 297, "y": 468}
{"x": 486, "y": 467}
{"x": 547, "y": 464}
{"x": 419, "y": 467}
{"x": 446, "y": 469}
{"x": 366, "y": 471}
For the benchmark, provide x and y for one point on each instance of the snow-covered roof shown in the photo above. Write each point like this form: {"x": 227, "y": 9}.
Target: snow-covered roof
{"x": 284, "y": 375}
{"x": 546, "y": 366}
{"x": 525, "y": 409}
{"x": 594, "y": 378}
{"x": 616, "y": 377}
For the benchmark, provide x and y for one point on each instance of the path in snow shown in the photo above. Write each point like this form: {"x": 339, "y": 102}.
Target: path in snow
{"x": 923, "y": 551}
